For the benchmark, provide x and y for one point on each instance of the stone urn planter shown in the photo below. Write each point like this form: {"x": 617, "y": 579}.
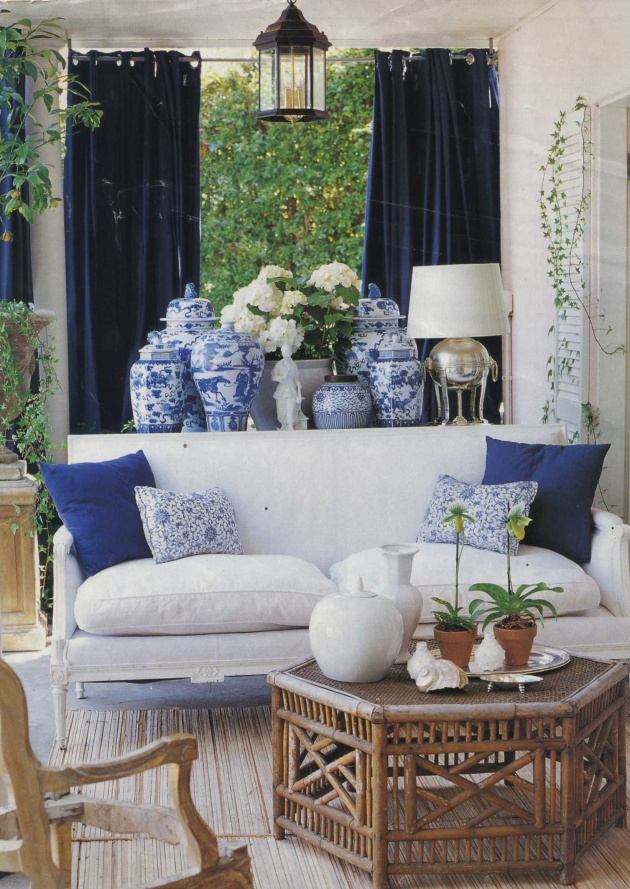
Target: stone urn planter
{"x": 22, "y": 347}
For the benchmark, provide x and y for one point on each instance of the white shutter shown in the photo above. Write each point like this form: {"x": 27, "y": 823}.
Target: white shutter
{"x": 571, "y": 335}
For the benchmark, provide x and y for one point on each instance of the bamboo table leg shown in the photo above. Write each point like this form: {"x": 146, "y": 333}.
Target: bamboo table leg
{"x": 278, "y": 730}
{"x": 570, "y": 778}
{"x": 379, "y": 797}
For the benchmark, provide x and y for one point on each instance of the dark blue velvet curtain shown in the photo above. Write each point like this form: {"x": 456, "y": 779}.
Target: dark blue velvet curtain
{"x": 16, "y": 282}
{"x": 433, "y": 182}
{"x": 132, "y": 205}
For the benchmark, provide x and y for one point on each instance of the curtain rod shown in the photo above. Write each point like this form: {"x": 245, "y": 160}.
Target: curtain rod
{"x": 78, "y": 57}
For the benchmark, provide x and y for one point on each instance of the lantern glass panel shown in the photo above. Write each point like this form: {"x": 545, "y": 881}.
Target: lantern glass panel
{"x": 294, "y": 77}
{"x": 319, "y": 79}
{"x": 267, "y": 82}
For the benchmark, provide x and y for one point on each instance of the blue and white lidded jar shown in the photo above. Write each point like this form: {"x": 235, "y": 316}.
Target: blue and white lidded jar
{"x": 186, "y": 319}
{"x": 156, "y": 383}
{"x": 378, "y": 317}
{"x": 397, "y": 384}
{"x": 341, "y": 402}
{"x": 227, "y": 366}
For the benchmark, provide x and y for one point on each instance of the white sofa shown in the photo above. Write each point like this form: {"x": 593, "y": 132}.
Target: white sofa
{"x": 321, "y": 496}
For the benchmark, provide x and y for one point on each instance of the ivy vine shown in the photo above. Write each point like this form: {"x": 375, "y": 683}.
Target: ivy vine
{"x": 563, "y": 221}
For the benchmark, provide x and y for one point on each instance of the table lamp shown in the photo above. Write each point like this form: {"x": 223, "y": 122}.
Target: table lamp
{"x": 459, "y": 302}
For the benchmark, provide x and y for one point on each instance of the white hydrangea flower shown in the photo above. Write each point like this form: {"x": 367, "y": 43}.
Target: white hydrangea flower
{"x": 281, "y": 331}
{"x": 274, "y": 271}
{"x": 339, "y": 303}
{"x": 291, "y": 299}
{"x": 230, "y": 313}
{"x": 266, "y": 297}
{"x": 327, "y": 277}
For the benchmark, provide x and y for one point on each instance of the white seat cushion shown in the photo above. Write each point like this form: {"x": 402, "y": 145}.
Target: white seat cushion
{"x": 434, "y": 573}
{"x": 201, "y": 594}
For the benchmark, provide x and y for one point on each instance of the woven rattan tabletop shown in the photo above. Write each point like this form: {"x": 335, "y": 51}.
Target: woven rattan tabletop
{"x": 397, "y": 690}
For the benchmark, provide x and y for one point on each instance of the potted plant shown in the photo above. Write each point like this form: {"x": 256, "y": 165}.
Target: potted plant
{"x": 313, "y": 315}
{"x": 516, "y": 610}
{"x": 455, "y": 631}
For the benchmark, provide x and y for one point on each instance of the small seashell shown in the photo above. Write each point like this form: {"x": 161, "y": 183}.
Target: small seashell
{"x": 489, "y": 656}
{"x": 431, "y": 674}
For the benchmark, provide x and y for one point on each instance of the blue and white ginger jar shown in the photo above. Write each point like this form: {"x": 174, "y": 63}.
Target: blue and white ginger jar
{"x": 341, "y": 402}
{"x": 396, "y": 384}
{"x": 227, "y": 366}
{"x": 156, "y": 383}
{"x": 378, "y": 317}
{"x": 186, "y": 319}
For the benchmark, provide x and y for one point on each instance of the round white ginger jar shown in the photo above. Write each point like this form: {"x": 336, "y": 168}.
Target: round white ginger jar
{"x": 355, "y": 635}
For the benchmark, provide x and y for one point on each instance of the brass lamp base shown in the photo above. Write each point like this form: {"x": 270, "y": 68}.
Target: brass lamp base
{"x": 462, "y": 364}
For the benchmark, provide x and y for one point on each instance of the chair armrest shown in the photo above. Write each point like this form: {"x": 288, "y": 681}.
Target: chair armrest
{"x": 610, "y": 561}
{"x": 67, "y": 578}
{"x": 175, "y": 749}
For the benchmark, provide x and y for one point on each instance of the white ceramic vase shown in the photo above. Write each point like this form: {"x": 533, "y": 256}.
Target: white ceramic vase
{"x": 355, "y": 635}
{"x": 396, "y": 586}
{"x": 263, "y": 408}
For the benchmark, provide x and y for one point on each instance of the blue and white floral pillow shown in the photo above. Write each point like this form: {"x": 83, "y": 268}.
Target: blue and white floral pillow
{"x": 179, "y": 525}
{"x": 488, "y": 504}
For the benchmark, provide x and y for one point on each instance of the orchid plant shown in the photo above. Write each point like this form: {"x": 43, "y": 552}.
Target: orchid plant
{"x": 452, "y": 617}
{"x": 313, "y": 315}
{"x": 513, "y": 608}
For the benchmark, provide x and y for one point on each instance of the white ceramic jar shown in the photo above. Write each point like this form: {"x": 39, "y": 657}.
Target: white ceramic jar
{"x": 355, "y": 635}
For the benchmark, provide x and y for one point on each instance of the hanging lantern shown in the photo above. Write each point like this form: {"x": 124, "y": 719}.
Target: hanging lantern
{"x": 292, "y": 69}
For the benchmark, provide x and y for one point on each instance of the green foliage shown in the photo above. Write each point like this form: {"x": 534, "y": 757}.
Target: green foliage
{"x": 31, "y": 437}
{"x": 22, "y": 56}
{"x": 275, "y": 193}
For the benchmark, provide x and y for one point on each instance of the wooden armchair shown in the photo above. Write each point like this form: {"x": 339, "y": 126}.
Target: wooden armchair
{"x": 35, "y": 829}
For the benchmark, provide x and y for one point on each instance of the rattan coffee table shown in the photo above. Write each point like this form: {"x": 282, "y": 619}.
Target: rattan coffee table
{"x": 399, "y": 782}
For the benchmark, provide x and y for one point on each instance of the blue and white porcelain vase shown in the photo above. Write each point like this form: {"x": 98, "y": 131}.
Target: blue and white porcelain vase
{"x": 186, "y": 319}
{"x": 156, "y": 383}
{"x": 396, "y": 384}
{"x": 227, "y": 365}
{"x": 378, "y": 317}
{"x": 341, "y": 402}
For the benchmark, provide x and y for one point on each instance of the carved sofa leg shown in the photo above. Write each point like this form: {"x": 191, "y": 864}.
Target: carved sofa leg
{"x": 60, "y": 696}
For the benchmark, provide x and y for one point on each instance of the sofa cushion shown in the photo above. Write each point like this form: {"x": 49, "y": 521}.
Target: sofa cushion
{"x": 489, "y": 505}
{"x": 97, "y": 505}
{"x": 567, "y": 477}
{"x": 434, "y": 573}
{"x": 201, "y": 594}
{"x": 179, "y": 525}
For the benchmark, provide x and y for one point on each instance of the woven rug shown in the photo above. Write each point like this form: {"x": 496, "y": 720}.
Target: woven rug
{"x": 232, "y": 783}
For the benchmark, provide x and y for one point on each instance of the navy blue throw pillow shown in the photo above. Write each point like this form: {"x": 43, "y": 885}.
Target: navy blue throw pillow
{"x": 97, "y": 504}
{"x": 567, "y": 477}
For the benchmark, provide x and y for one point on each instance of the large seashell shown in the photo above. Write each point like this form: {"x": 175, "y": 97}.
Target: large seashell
{"x": 489, "y": 655}
{"x": 431, "y": 674}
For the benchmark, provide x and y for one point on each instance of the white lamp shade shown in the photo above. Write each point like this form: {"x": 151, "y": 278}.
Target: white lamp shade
{"x": 456, "y": 301}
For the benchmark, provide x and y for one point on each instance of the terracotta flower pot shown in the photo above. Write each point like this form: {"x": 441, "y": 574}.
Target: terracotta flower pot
{"x": 517, "y": 644}
{"x": 456, "y": 645}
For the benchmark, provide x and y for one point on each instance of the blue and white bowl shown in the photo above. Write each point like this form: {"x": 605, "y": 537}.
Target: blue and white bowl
{"x": 341, "y": 402}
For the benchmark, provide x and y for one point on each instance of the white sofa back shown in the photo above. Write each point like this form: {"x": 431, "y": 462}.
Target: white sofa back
{"x": 320, "y": 495}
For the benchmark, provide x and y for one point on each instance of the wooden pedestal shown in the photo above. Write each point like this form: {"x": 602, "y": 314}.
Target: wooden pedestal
{"x": 23, "y": 624}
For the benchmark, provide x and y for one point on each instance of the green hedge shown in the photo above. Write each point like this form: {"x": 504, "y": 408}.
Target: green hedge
{"x": 273, "y": 193}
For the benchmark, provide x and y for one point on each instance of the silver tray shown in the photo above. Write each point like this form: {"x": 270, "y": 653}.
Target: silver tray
{"x": 542, "y": 658}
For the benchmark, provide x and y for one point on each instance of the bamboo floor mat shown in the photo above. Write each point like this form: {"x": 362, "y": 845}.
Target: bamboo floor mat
{"x": 232, "y": 783}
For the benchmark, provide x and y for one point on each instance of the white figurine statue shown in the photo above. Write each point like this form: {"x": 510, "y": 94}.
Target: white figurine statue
{"x": 431, "y": 674}
{"x": 288, "y": 394}
{"x": 489, "y": 655}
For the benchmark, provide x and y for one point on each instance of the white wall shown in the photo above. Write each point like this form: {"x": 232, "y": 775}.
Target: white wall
{"x": 578, "y": 47}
